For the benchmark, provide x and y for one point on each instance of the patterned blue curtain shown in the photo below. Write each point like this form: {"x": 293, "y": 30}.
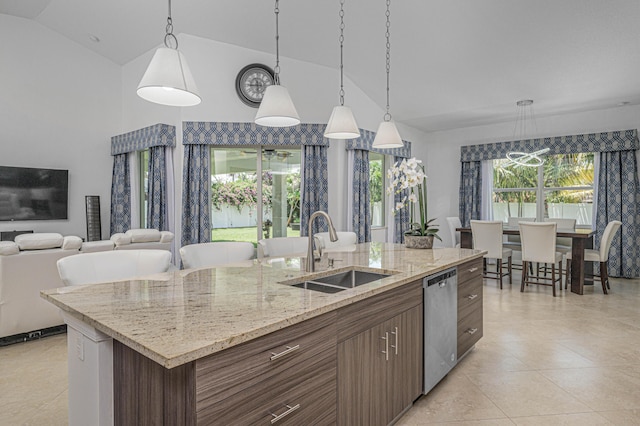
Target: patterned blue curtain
{"x": 120, "y": 194}
{"x": 400, "y": 217}
{"x": 470, "y": 191}
{"x": 196, "y": 223}
{"x": 157, "y": 212}
{"x": 361, "y": 197}
{"x": 315, "y": 187}
{"x": 619, "y": 199}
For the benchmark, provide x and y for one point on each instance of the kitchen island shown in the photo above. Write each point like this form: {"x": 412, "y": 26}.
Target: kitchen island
{"x": 187, "y": 344}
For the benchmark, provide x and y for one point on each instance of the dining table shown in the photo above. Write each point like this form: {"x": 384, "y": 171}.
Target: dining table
{"x": 581, "y": 238}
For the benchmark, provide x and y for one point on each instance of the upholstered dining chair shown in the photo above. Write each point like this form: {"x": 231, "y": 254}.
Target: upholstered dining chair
{"x": 539, "y": 245}
{"x": 216, "y": 254}
{"x": 282, "y": 246}
{"x": 487, "y": 235}
{"x": 601, "y": 255}
{"x": 346, "y": 241}
{"x": 454, "y": 223}
{"x": 117, "y": 265}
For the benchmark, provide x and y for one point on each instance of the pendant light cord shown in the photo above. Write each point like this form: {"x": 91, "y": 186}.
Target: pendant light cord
{"x": 341, "y": 49}
{"x": 276, "y": 70}
{"x": 387, "y": 116}
{"x": 169, "y": 31}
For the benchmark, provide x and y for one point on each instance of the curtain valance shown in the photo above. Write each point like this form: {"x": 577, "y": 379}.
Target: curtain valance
{"x": 365, "y": 143}
{"x": 622, "y": 140}
{"x": 138, "y": 140}
{"x": 214, "y": 133}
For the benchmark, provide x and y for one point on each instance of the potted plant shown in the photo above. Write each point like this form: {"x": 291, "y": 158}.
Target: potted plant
{"x": 409, "y": 175}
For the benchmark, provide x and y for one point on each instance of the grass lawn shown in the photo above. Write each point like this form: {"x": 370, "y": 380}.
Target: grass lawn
{"x": 242, "y": 234}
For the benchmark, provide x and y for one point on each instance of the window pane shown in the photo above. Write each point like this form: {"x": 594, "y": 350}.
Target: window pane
{"x": 570, "y": 204}
{"x": 376, "y": 188}
{"x": 514, "y": 204}
{"x": 281, "y": 193}
{"x": 514, "y": 177}
{"x": 234, "y": 194}
{"x": 568, "y": 170}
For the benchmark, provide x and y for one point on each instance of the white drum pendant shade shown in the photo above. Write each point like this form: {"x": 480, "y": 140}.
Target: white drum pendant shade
{"x": 277, "y": 109}
{"x": 387, "y": 136}
{"x": 342, "y": 124}
{"x": 168, "y": 80}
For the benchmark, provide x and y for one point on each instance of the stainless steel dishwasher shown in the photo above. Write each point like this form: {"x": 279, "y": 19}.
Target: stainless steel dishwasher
{"x": 440, "y": 326}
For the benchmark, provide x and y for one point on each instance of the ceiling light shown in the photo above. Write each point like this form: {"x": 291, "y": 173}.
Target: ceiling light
{"x": 387, "y": 135}
{"x": 525, "y": 118}
{"x": 276, "y": 108}
{"x": 342, "y": 124}
{"x": 168, "y": 79}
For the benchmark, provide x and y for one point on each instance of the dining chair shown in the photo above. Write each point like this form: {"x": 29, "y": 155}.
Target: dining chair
{"x": 282, "y": 246}
{"x": 563, "y": 244}
{"x": 117, "y": 265}
{"x": 601, "y": 255}
{"x": 539, "y": 245}
{"x": 344, "y": 239}
{"x": 513, "y": 241}
{"x": 216, "y": 254}
{"x": 454, "y": 223}
{"x": 487, "y": 235}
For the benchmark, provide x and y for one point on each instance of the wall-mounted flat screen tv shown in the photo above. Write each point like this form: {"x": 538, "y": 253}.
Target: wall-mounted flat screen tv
{"x": 33, "y": 194}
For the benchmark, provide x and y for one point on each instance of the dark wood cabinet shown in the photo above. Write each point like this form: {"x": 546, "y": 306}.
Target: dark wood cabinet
{"x": 469, "y": 305}
{"x": 380, "y": 367}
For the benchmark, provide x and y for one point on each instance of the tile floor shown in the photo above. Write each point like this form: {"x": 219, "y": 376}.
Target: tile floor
{"x": 572, "y": 360}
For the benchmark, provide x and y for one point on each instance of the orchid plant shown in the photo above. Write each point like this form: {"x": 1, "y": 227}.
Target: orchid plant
{"x": 409, "y": 175}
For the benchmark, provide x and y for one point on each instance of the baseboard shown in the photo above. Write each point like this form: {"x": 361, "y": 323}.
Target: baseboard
{"x": 33, "y": 335}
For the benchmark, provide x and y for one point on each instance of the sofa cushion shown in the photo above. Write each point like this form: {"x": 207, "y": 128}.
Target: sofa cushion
{"x": 39, "y": 241}
{"x": 96, "y": 246}
{"x": 120, "y": 239}
{"x": 71, "y": 242}
{"x": 143, "y": 235}
{"x": 7, "y": 248}
{"x": 166, "y": 236}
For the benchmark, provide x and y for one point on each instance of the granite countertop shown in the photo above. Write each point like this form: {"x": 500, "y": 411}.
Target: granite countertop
{"x": 177, "y": 317}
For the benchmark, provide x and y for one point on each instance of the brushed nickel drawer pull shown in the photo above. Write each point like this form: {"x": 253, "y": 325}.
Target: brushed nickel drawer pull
{"x": 287, "y": 351}
{"x": 395, "y": 333}
{"x": 290, "y": 410}
{"x": 472, "y": 330}
{"x": 473, "y": 269}
{"x": 386, "y": 346}
{"x": 472, "y": 296}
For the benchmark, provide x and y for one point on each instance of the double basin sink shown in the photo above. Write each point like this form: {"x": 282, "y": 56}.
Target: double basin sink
{"x": 340, "y": 281}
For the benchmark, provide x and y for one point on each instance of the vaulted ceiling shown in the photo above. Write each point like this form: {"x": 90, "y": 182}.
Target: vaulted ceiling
{"x": 455, "y": 63}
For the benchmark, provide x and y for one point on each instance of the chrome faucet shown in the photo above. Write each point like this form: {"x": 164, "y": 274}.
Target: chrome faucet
{"x": 333, "y": 236}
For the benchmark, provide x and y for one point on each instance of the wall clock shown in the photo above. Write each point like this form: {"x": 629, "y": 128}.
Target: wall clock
{"x": 251, "y": 83}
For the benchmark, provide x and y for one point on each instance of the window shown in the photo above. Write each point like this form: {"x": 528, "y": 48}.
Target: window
{"x": 376, "y": 188}
{"x": 561, "y": 188}
{"x": 143, "y": 168}
{"x": 255, "y": 193}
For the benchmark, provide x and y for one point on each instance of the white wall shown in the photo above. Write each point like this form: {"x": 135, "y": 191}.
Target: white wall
{"x": 60, "y": 106}
{"x": 443, "y": 167}
{"x": 313, "y": 88}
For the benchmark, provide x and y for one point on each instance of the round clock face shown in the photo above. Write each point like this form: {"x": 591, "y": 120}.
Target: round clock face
{"x": 251, "y": 83}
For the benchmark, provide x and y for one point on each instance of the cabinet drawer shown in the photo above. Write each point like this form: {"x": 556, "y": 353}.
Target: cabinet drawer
{"x": 470, "y": 270}
{"x": 469, "y": 330}
{"x": 361, "y": 316}
{"x": 309, "y": 398}
{"x": 230, "y": 372}
{"x": 468, "y": 294}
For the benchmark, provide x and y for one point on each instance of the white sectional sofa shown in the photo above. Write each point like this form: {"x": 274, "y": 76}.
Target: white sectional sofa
{"x": 28, "y": 265}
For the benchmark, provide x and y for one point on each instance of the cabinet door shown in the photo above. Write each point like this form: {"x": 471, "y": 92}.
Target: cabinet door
{"x": 362, "y": 378}
{"x": 405, "y": 366}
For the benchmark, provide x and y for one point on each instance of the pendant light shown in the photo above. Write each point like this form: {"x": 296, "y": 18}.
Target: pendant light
{"x": 520, "y": 132}
{"x": 387, "y": 135}
{"x": 168, "y": 79}
{"x": 342, "y": 124}
{"x": 276, "y": 108}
